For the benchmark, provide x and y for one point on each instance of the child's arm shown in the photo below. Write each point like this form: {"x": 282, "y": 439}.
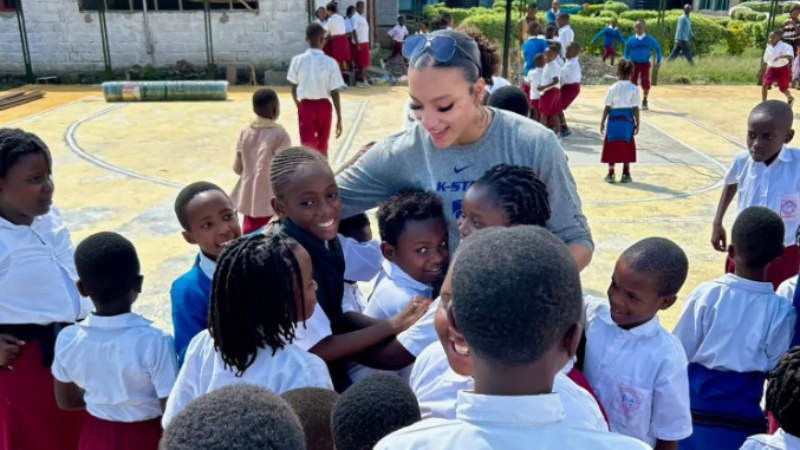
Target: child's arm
{"x": 335, "y": 98}
{"x": 636, "y": 119}
{"x": 626, "y": 51}
{"x": 657, "y": 47}
{"x": 189, "y": 316}
{"x": 551, "y": 84}
{"x": 597, "y": 36}
{"x": 666, "y": 445}
{"x": 69, "y": 396}
{"x": 780, "y": 333}
{"x": 719, "y": 238}
{"x": 163, "y": 368}
{"x": 238, "y": 166}
{"x": 294, "y": 95}
{"x": 606, "y": 111}
{"x": 618, "y": 36}
{"x": 671, "y": 416}
{"x": 9, "y": 349}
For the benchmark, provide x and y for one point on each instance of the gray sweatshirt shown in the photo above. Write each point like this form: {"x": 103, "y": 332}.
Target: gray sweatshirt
{"x": 409, "y": 160}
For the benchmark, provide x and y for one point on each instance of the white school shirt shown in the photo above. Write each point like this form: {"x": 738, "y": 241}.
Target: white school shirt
{"x": 734, "y": 324}
{"x": 204, "y": 371}
{"x": 788, "y": 288}
{"x": 773, "y": 54}
{"x": 336, "y": 25}
{"x": 37, "y": 273}
{"x": 315, "y": 74}
{"x": 353, "y": 299}
{"x": 565, "y": 37}
{"x": 489, "y": 422}
{"x": 776, "y": 186}
{"x": 348, "y": 24}
{"x": 436, "y": 386}
{"x": 207, "y": 265}
{"x": 422, "y": 334}
{"x": 361, "y": 27}
{"x": 640, "y": 376}
{"x": 316, "y": 20}
{"x": 123, "y": 364}
{"x": 622, "y": 94}
{"x": 398, "y": 33}
{"x": 393, "y": 291}
{"x": 534, "y": 80}
{"x": 497, "y": 83}
{"x": 781, "y": 440}
{"x": 551, "y": 70}
{"x": 571, "y": 72}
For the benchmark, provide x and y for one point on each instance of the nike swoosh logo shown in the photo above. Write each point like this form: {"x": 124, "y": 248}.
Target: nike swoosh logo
{"x": 458, "y": 171}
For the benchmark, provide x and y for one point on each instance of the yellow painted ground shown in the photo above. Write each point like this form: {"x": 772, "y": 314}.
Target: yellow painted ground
{"x": 178, "y": 143}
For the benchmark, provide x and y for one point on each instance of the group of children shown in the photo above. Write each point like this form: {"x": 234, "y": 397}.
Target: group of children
{"x": 347, "y": 39}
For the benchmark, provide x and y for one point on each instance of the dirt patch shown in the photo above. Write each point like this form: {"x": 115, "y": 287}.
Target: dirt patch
{"x": 595, "y": 71}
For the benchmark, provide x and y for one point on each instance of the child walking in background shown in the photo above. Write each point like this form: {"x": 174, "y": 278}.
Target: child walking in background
{"x": 321, "y": 16}
{"x": 734, "y": 329}
{"x": 570, "y": 84}
{"x": 361, "y": 38}
{"x": 610, "y": 34}
{"x": 38, "y": 297}
{"x": 258, "y": 144}
{"x": 565, "y": 34}
{"x": 534, "y": 80}
{"x": 622, "y": 113}
{"x": 550, "y": 91}
{"x": 776, "y": 68}
{"x": 316, "y": 78}
{"x": 340, "y": 46}
{"x": 536, "y": 44}
{"x": 114, "y": 364}
{"x": 398, "y": 35}
{"x": 769, "y": 165}
{"x": 638, "y": 49}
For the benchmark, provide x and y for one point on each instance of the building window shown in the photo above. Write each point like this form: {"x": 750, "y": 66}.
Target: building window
{"x": 722, "y": 5}
{"x": 8, "y": 5}
{"x": 168, "y": 5}
{"x": 706, "y": 5}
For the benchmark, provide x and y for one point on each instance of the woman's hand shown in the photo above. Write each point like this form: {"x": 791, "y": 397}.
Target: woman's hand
{"x": 9, "y": 348}
{"x": 415, "y": 309}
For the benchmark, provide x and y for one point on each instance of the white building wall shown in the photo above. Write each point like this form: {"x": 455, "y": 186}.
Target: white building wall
{"x": 64, "y": 40}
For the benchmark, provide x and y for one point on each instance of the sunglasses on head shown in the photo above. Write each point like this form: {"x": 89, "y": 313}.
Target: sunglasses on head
{"x": 441, "y": 48}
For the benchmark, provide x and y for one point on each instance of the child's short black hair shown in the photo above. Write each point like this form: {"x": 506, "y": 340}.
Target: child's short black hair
{"x": 332, "y": 7}
{"x": 510, "y": 98}
{"x": 563, "y": 16}
{"x": 287, "y": 162}
{"x": 354, "y": 224}
{"x": 519, "y": 192}
{"x": 16, "y": 143}
{"x": 446, "y": 16}
{"x": 107, "y": 266}
{"x": 407, "y": 205}
{"x": 241, "y": 416}
{"x": 516, "y": 292}
{"x": 314, "y": 31}
{"x": 779, "y": 112}
{"x": 350, "y": 10}
{"x": 539, "y": 58}
{"x": 187, "y": 194}
{"x": 253, "y": 298}
{"x": 263, "y": 98}
{"x": 371, "y": 409}
{"x": 661, "y": 260}
{"x": 757, "y": 236}
{"x": 625, "y": 67}
{"x": 783, "y": 392}
{"x": 426, "y": 23}
{"x": 438, "y": 23}
{"x": 313, "y": 407}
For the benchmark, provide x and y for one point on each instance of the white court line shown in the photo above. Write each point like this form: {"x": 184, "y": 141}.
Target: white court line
{"x": 41, "y": 113}
{"x": 344, "y": 149}
{"x": 683, "y": 116}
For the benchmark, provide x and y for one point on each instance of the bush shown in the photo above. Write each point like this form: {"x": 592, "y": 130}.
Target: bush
{"x": 783, "y": 7}
{"x": 608, "y": 14}
{"x": 737, "y": 40}
{"x": 491, "y": 25}
{"x": 639, "y": 14}
{"x": 617, "y": 7}
{"x": 748, "y": 15}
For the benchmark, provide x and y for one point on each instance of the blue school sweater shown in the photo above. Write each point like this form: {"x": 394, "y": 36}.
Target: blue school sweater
{"x": 531, "y": 48}
{"x": 638, "y": 50}
{"x": 189, "y": 297}
{"x": 609, "y": 36}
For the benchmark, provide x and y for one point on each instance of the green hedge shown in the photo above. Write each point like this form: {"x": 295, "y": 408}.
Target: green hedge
{"x": 491, "y": 25}
{"x": 607, "y": 13}
{"x": 748, "y": 15}
{"x": 617, "y": 7}
{"x": 783, "y": 7}
{"x": 639, "y": 14}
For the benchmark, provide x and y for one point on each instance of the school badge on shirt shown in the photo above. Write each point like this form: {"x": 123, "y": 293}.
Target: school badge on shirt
{"x": 788, "y": 209}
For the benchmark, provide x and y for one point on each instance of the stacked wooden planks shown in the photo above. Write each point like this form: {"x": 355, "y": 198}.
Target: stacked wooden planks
{"x": 16, "y": 98}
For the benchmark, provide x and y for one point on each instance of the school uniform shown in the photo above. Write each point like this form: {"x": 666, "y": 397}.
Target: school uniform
{"x": 639, "y": 375}
{"x": 497, "y": 83}
{"x": 550, "y": 98}
{"x": 393, "y": 290}
{"x": 38, "y": 297}
{"x": 565, "y": 37}
{"x": 781, "y": 440}
{"x": 361, "y": 27}
{"x": 485, "y": 422}
{"x": 733, "y": 330}
{"x": 423, "y": 333}
{"x": 316, "y": 76}
{"x": 776, "y": 187}
{"x": 638, "y": 49}
{"x": 570, "y": 82}
{"x": 788, "y": 288}
{"x": 436, "y": 386}
{"x": 340, "y": 48}
{"x": 610, "y": 35}
{"x": 619, "y": 144}
{"x": 189, "y": 298}
{"x": 534, "y": 80}
{"x": 398, "y": 35}
{"x": 124, "y": 365}
{"x": 204, "y": 371}
{"x": 779, "y": 69}
{"x": 530, "y": 48}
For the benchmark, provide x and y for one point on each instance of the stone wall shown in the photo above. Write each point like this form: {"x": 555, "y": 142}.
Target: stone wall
{"x": 63, "y": 39}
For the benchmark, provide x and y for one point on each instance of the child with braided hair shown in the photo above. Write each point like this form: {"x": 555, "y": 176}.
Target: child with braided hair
{"x": 622, "y": 112}
{"x": 262, "y": 291}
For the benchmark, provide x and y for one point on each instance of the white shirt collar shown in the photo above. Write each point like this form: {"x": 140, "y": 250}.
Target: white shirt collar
{"x": 792, "y": 442}
{"x": 451, "y": 376}
{"x": 733, "y": 280}
{"x": 784, "y": 155}
{"x": 400, "y": 277}
{"x": 509, "y": 410}
{"x": 315, "y": 50}
{"x": 126, "y": 320}
{"x": 207, "y": 266}
{"x": 641, "y": 36}
{"x": 565, "y": 27}
{"x": 646, "y": 329}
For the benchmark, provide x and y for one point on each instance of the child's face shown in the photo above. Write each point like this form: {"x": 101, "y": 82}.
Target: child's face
{"x": 401, "y": 21}
{"x": 479, "y": 210}
{"x": 452, "y": 340}
{"x": 421, "y": 249}
{"x": 308, "y": 284}
{"x": 212, "y": 222}
{"x": 321, "y": 14}
{"x": 613, "y": 23}
{"x": 27, "y": 190}
{"x": 423, "y": 28}
{"x": 633, "y": 297}
{"x": 540, "y": 62}
{"x": 549, "y": 55}
{"x": 766, "y": 137}
{"x": 312, "y": 201}
{"x": 774, "y": 38}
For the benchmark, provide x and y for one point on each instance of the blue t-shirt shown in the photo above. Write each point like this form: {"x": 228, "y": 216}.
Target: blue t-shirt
{"x": 638, "y": 50}
{"x": 530, "y": 49}
{"x": 609, "y": 36}
{"x": 189, "y": 296}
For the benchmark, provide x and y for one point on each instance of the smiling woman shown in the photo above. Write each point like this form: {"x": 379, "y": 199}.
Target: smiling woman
{"x": 458, "y": 139}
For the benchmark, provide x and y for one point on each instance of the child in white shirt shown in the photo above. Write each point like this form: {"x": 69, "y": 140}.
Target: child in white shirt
{"x": 776, "y": 68}
{"x": 565, "y": 33}
{"x": 550, "y": 91}
{"x": 734, "y": 330}
{"x": 115, "y": 364}
{"x": 254, "y": 314}
{"x": 636, "y": 367}
{"x": 570, "y": 83}
{"x": 788, "y": 288}
{"x": 534, "y": 79}
{"x": 398, "y": 35}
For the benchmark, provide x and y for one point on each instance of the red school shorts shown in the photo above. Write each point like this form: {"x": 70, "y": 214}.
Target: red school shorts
{"x": 550, "y": 102}
{"x": 782, "y": 76}
{"x": 569, "y": 92}
{"x": 641, "y": 70}
{"x": 609, "y": 50}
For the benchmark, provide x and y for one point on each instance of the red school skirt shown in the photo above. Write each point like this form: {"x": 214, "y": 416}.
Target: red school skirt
{"x": 550, "y": 102}
{"x": 780, "y": 270}
{"x": 569, "y": 92}
{"x": 340, "y": 48}
{"x": 362, "y": 58}
{"x": 99, "y": 434}
{"x": 608, "y": 50}
{"x": 251, "y": 224}
{"x": 29, "y": 416}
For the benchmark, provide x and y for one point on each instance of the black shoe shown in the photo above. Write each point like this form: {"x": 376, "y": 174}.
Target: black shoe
{"x": 644, "y": 106}
{"x": 565, "y": 132}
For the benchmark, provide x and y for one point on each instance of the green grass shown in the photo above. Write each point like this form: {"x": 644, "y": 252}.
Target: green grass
{"x": 711, "y": 69}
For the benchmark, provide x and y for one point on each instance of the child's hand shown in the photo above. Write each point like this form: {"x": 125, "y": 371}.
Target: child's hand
{"x": 602, "y": 129}
{"x": 415, "y": 309}
{"x": 9, "y": 348}
{"x": 719, "y": 239}
{"x": 338, "y": 129}
{"x": 636, "y": 129}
